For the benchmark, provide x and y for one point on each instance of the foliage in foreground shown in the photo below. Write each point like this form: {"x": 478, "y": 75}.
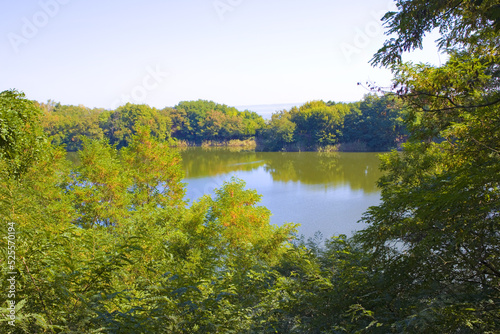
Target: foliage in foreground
{"x": 111, "y": 247}
{"x": 435, "y": 237}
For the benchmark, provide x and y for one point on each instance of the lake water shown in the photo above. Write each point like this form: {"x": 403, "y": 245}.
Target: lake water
{"x": 326, "y": 192}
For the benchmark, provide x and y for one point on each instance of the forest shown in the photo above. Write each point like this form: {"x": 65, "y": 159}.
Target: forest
{"x": 373, "y": 124}
{"x": 110, "y": 246}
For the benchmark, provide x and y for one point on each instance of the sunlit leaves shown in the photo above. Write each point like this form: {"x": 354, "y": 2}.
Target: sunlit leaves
{"x": 200, "y": 120}
{"x": 244, "y": 225}
{"x": 100, "y": 187}
{"x": 154, "y": 170}
{"x": 123, "y": 123}
{"x": 21, "y": 137}
{"x": 317, "y": 122}
{"x": 109, "y": 245}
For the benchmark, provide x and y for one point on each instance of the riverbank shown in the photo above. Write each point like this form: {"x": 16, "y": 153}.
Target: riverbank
{"x": 259, "y": 146}
{"x": 246, "y": 143}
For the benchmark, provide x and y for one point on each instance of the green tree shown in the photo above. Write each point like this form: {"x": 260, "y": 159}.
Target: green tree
{"x": 434, "y": 238}
{"x": 280, "y": 131}
{"x": 100, "y": 186}
{"x": 68, "y": 125}
{"x": 463, "y": 25}
{"x": 252, "y": 122}
{"x": 318, "y": 124}
{"x": 376, "y": 122}
{"x": 110, "y": 245}
{"x": 21, "y": 135}
{"x": 122, "y": 124}
{"x": 201, "y": 120}
{"x": 155, "y": 172}
{"x": 195, "y": 112}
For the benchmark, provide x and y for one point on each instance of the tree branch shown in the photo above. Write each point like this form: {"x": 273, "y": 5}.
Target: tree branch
{"x": 455, "y": 106}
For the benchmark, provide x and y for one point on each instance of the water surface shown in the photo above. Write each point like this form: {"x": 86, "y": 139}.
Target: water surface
{"x": 326, "y": 192}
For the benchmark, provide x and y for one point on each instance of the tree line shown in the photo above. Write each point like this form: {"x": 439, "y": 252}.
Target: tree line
{"x": 190, "y": 121}
{"x": 110, "y": 246}
{"x": 373, "y": 124}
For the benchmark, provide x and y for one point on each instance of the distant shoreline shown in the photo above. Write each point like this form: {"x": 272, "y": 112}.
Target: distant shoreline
{"x": 254, "y": 145}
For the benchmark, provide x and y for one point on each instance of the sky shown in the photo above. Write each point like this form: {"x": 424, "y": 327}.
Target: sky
{"x": 159, "y": 52}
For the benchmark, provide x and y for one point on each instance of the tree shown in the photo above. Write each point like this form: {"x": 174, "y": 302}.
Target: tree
{"x": 434, "y": 239}
{"x": 318, "y": 124}
{"x": 154, "y": 169}
{"x": 376, "y": 122}
{"x": 201, "y": 120}
{"x": 280, "y": 131}
{"x": 110, "y": 245}
{"x": 21, "y": 135}
{"x": 466, "y": 25}
{"x": 122, "y": 123}
{"x": 67, "y": 125}
{"x": 252, "y": 122}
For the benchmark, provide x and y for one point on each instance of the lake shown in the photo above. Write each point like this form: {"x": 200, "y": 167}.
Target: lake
{"x": 326, "y": 192}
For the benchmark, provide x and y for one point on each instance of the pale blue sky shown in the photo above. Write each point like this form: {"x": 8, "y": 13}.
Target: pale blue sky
{"x": 238, "y": 52}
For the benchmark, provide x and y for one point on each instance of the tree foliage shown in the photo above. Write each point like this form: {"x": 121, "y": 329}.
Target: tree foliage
{"x": 110, "y": 245}
{"x": 434, "y": 238}
{"x": 21, "y": 135}
{"x": 463, "y": 25}
{"x": 317, "y": 122}
{"x": 377, "y": 122}
{"x": 206, "y": 120}
{"x": 124, "y": 122}
{"x": 191, "y": 121}
{"x": 68, "y": 125}
{"x": 373, "y": 124}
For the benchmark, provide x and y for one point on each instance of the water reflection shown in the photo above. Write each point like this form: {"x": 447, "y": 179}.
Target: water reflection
{"x": 325, "y": 192}
{"x": 201, "y": 162}
{"x": 358, "y": 171}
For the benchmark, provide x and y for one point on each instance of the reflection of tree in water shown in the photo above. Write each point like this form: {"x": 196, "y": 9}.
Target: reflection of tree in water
{"x": 306, "y": 167}
{"x": 358, "y": 170}
{"x": 203, "y": 162}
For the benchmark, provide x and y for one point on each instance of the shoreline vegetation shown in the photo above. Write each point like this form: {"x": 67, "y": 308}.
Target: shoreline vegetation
{"x": 249, "y": 143}
{"x": 111, "y": 246}
{"x": 374, "y": 124}
{"x": 252, "y": 144}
